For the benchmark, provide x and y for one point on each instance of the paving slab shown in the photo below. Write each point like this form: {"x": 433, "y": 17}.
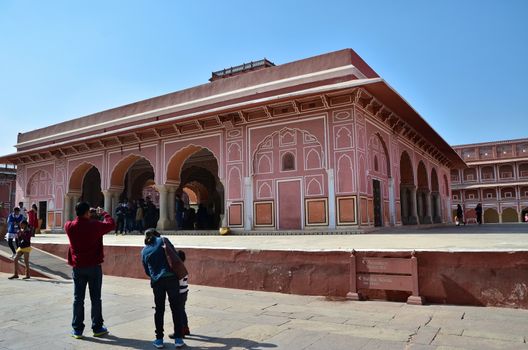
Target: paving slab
{"x": 37, "y": 313}
{"x": 445, "y": 238}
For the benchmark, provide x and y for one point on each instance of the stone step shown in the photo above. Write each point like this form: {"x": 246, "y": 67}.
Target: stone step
{"x": 43, "y": 262}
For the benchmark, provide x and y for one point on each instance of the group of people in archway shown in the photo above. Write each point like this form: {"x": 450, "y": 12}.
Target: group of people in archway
{"x": 460, "y": 218}
{"x": 142, "y": 214}
{"x": 187, "y": 218}
{"x": 137, "y": 215}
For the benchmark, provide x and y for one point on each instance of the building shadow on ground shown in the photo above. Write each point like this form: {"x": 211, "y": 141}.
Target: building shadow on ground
{"x": 216, "y": 343}
{"x": 219, "y": 343}
{"x": 113, "y": 340}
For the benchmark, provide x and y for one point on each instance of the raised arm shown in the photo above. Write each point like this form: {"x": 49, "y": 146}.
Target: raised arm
{"x": 105, "y": 226}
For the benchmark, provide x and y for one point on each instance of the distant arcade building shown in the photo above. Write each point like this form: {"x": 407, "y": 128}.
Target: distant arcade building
{"x": 321, "y": 143}
{"x": 497, "y": 177}
{"x": 7, "y": 189}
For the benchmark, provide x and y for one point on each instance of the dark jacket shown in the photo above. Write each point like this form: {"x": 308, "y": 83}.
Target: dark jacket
{"x": 155, "y": 261}
{"x": 86, "y": 240}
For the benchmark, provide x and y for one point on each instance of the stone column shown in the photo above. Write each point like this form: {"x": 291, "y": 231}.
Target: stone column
{"x": 223, "y": 219}
{"x": 107, "y": 201}
{"x": 419, "y": 207}
{"x": 248, "y": 203}
{"x": 404, "y": 204}
{"x": 67, "y": 207}
{"x": 171, "y": 207}
{"x": 413, "y": 216}
{"x": 115, "y": 202}
{"x": 392, "y": 202}
{"x": 163, "y": 222}
{"x": 438, "y": 218}
{"x": 75, "y": 198}
{"x": 428, "y": 216}
{"x": 449, "y": 210}
{"x": 331, "y": 199}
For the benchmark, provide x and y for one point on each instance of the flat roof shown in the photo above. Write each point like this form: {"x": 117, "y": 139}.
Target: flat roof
{"x": 323, "y": 73}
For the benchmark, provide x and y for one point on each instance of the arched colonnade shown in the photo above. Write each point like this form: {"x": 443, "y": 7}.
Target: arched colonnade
{"x": 190, "y": 172}
{"x": 420, "y": 196}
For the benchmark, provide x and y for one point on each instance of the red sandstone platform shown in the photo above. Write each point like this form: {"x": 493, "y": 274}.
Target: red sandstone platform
{"x": 489, "y": 269}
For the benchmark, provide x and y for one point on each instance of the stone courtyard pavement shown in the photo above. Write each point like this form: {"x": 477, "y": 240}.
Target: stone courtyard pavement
{"x": 37, "y": 314}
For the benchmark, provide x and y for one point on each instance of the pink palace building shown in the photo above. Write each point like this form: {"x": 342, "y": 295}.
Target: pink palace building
{"x": 322, "y": 143}
{"x": 496, "y": 177}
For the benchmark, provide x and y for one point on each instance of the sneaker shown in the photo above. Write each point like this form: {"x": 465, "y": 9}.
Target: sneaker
{"x": 171, "y": 336}
{"x": 76, "y": 334}
{"x": 178, "y": 342}
{"x": 12, "y": 277}
{"x": 100, "y": 332}
{"x": 158, "y": 344}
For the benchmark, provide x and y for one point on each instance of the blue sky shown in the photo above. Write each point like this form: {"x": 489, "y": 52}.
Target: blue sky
{"x": 463, "y": 65}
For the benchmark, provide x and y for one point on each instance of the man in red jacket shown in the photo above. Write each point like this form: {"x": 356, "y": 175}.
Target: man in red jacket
{"x": 85, "y": 256}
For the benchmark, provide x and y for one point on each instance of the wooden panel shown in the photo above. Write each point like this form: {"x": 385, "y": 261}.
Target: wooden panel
{"x": 263, "y": 213}
{"x": 370, "y": 205}
{"x": 58, "y": 219}
{"x": 51, "y": 219}
{"x": 384, "y": 265}
{"x": 364, "y": 210}
{"x": 316, "y": 211}
{"x": 346, "y": 210}
{"x": 235, "y": 215}
{"x": 389, "y": 282}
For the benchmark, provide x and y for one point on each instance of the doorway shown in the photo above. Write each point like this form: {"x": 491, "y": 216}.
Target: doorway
{"x": 43, "y": 214}
{"x": 376, "y": 186}
{"x": 290, "y": 216}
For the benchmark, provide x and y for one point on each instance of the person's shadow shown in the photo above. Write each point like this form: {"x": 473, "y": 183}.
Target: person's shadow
{"x": 223, "y": 343}
{"x": 112, "y": 340}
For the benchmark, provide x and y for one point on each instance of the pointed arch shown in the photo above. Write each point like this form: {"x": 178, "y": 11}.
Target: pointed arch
{"x": 423, "y": 181}
{"x": 362, "y": 172}
{"x": 345, "y": 174}
{"x": 268, "y": 140}
{"x": 434, "y": 181}
{"x": 313, "y": 159}
{"x": 77, "y": 176}
{"x": 119, "y": 171}
{"x": 288, "y": 162}
{"x": 314, "y": 188}
{"x": 234, "y": 153}
{"x": 234, "y": 183}
{"x": 265, "y": 191}
{"x": 265, "y": 164}
{"x": 406, "y": 169}
{"x": 344, "y": 138}
{"x": 176, "y": 161}
{"x": 40, "y": 184}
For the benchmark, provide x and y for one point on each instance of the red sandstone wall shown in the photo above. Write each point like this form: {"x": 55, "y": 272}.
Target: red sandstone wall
{"x": 463, "y": 278}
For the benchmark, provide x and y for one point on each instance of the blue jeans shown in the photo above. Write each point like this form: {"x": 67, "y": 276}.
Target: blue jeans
{"x": 93, "y": 276}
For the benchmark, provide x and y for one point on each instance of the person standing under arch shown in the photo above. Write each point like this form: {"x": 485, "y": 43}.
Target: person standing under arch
{"x": 478, "y": 211}
{"x": 33, "y": 219}
{"x": 459, "y": 215}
